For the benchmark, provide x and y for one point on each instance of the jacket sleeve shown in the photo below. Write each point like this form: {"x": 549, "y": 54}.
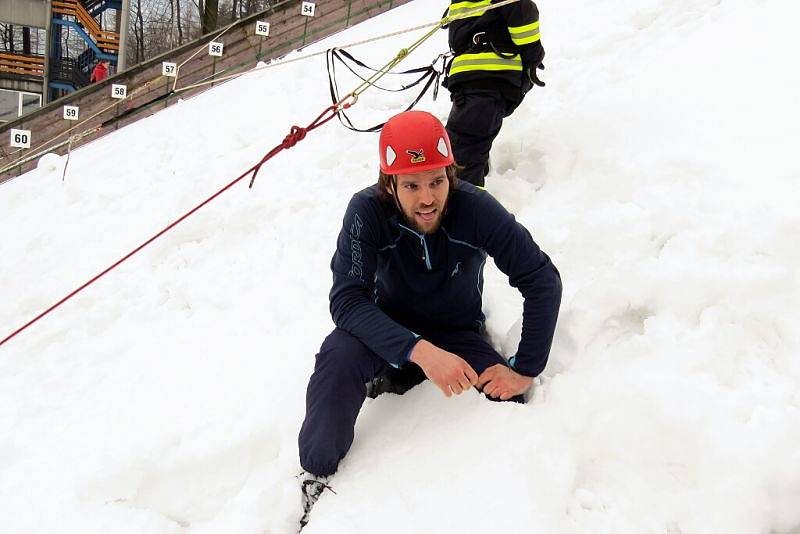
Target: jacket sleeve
{"x": 531, "y": 272}
{"x": 352, "y": 302}
{"x": 522, "y": 20}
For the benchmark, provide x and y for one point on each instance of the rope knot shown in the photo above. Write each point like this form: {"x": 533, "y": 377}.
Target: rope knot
{"x": 297, "y": 134}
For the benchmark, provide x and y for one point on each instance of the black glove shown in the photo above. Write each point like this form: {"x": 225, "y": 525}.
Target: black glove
{"x": 533, "y": 77}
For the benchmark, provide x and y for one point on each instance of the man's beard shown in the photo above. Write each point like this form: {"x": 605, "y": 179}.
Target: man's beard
{"x": 414, "y": 225}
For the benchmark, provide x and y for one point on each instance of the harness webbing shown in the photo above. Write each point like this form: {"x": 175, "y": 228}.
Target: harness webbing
{"x": 430, "y": 75}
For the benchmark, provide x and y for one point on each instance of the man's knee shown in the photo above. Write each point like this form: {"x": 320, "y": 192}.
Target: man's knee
{"x": 343, "y": 355}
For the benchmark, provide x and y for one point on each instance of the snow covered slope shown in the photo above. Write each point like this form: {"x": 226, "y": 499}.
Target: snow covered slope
{"x": 658, "y": 170}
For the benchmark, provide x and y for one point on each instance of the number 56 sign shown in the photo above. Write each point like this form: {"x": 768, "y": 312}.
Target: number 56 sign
{"x": 215, "y": 48}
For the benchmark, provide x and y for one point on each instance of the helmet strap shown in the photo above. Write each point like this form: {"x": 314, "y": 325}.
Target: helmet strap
{"x": 393, "y": 182}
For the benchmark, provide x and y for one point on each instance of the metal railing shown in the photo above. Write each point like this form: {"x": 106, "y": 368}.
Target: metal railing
{"x": 69, "y": 72}
{"x": 106, "y": 41}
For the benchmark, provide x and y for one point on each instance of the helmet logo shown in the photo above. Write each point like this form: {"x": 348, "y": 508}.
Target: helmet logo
{"x": 417, "y": 156}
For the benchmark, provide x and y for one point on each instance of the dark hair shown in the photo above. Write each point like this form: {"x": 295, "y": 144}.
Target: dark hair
{"x": 385, "y": 181}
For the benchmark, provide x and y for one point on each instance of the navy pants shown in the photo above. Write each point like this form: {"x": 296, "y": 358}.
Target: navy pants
{"x": 475, "y": 120}
{"x": 338, "y": 388}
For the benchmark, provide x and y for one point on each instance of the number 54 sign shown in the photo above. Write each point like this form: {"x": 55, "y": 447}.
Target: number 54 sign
{"x": 308, "y": 9}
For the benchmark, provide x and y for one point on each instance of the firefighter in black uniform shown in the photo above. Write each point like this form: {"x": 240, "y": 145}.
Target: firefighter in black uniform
{"x": 497, "y": 53}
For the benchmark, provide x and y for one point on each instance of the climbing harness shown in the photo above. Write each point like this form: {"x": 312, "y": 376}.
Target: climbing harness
{"x": 430, "y": 75}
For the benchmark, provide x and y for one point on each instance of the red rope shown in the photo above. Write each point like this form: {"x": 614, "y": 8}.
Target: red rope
{"x": 295, "y": 135}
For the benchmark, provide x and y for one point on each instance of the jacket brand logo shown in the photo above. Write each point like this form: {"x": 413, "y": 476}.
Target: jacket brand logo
{"x": 417, "y": 156}
{"x": 357, "y": 267}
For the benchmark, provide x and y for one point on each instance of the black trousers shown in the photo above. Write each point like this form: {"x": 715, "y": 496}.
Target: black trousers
{"x": 475, "y": 120}
{"x": 338, "y": 388}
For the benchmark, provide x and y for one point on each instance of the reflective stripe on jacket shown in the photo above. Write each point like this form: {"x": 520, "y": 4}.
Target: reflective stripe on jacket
{"x": 501, "y": 43}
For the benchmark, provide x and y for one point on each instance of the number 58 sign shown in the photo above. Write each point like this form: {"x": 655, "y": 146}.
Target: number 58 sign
{"x": 119, "y": 91}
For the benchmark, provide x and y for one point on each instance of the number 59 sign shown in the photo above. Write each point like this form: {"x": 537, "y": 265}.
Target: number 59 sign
{"x": 71, "y": 113}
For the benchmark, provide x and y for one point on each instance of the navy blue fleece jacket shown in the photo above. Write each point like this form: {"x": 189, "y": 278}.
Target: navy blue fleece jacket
{"x": 392, "y": 284}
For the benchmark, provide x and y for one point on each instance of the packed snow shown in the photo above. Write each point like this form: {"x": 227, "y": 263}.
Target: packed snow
{"x": 658, "y": 169}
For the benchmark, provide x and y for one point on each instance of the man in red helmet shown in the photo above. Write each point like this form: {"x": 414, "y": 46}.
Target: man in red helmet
{"x": 407, "y": 291}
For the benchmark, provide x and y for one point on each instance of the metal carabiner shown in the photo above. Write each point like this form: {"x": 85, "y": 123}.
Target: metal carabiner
{"x": 346, "y": 102}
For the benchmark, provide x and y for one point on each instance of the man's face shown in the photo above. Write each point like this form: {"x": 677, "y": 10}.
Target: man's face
{"x": 423, "y": 198}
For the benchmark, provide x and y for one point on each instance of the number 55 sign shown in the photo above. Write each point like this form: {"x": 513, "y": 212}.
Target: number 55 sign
{"x": 262, "y": 28}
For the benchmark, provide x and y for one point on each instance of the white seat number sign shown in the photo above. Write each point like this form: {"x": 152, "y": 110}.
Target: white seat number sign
{"x": 119, "y": 90}
{"x": 262, "y": 28}
{"x": 169, "y": 69}
{"x": 71, "y": 113}
{"x": 21, "y": 138}
{"x": 308, "y": 9}
{"x": 215, "y": 48}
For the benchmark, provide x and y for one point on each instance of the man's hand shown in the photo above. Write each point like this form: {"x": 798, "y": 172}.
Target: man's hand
{"x": 534, "y": 76}
{"x": 449, "y": 372}
{"x": 500, "y": 382}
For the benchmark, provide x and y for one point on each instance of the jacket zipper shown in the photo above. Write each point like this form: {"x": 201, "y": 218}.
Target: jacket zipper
{"x": 426, "y": 257}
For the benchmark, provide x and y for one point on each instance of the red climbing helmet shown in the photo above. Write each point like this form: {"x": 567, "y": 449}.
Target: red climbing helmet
{"x": 414, "y": 141}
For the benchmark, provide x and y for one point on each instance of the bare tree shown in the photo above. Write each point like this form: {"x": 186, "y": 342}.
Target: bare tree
{"x": 210, "y": 15}
{"x": 22, "y": 39}
{"x": 140, "y": 56}
{"x": 160, "y": 25}
{"x": 178, "y": 22}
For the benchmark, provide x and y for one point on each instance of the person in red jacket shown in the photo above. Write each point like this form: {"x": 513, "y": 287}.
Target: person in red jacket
{"x": 100, "y": 72}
